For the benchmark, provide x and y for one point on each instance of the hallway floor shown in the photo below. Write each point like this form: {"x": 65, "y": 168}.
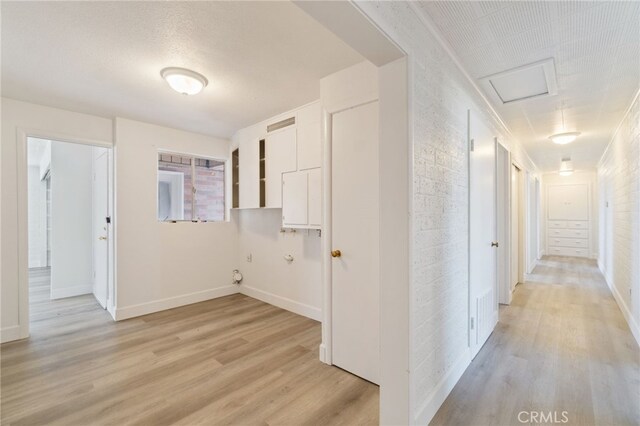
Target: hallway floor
{"x": 562, "y": 345}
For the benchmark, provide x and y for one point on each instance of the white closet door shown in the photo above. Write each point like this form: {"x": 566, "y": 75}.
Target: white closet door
{"x": 355, "y": 215}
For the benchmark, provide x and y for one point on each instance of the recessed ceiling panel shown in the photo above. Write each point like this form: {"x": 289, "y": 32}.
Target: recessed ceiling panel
{"x": 526, "y": 82}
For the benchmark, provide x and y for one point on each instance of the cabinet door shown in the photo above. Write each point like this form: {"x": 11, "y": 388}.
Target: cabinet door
{"x": 294, "y": 198}
{"x": 309, "y": 141}
{"x": 315, "y": 197}
{"x": 280, "y": 150}
{"x": 249, "y": 173}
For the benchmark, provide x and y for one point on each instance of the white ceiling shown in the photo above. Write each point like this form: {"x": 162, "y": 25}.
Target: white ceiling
{"x": 104, "y": 58}
{"x": 596, "y": 49}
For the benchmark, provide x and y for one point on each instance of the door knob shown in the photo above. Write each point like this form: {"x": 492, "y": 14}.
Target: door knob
{"x": 336, "y": 253}
{"x": 494, "y": 244}
{"x": 102, "y": 238}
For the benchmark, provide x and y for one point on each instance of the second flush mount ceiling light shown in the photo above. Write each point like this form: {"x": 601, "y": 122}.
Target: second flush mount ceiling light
{"x": 564, "y": 138}
{"x": 184, "y": 81}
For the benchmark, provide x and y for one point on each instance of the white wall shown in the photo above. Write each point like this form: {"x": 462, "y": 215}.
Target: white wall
{"x": 295, "y": 286}
{"x": 588, "y": 177}
{"x": 440, "y": 96}
{"x": 71, "y": 220}
{"x": 37, "y": 219}
{"x": 164, "y": 265}
{"x": 16, "y": 117}
{"x": 619, "y": 206}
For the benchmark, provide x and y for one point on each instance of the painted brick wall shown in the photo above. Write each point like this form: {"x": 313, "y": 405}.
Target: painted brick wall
{"x": 619, "y": 181}
{"x": 440, "y": 97}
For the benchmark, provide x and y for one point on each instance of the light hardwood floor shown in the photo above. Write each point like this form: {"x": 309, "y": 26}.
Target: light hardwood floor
{"x": 233, "y": 360}
{"x": 562, "y": 345}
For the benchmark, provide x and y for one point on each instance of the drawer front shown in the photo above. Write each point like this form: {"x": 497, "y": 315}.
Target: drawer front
{"x": 578, "y": 224}
{"x": 568, "y": 233}
{"x": 568, "y": 242}
{"x": 557, "y": 224}
{"x": 566, "y": 251}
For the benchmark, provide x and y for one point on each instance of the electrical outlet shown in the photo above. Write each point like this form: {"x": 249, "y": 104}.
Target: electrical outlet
{"x": 249, "y": 258}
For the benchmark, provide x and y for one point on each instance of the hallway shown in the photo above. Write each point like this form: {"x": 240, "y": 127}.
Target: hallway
{"x": 562, "y": 345}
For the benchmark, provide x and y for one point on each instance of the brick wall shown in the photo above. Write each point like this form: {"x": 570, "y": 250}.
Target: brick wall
{"x": 619, "y": 188}
{"x": 209, "y": 184}
{"x": 440, "y": 97}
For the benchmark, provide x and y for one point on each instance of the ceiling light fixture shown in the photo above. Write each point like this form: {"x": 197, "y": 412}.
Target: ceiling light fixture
{"x": 184, "y": 81}
{"x": 566, "y": 167}
{"x": 564, "y": 138}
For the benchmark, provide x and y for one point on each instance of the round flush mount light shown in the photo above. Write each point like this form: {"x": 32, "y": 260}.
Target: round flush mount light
{"x": 564, "y": 138}
{"x": 184, "y": 81}
{"x": 566, "y": 167}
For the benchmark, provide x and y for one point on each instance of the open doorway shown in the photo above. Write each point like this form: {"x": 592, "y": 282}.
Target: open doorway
{"x": 68, "y": 235}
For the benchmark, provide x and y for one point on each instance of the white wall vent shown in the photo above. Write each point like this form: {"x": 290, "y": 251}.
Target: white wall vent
{"x": 525, "y": 82}
{"x": 280, "y": 124}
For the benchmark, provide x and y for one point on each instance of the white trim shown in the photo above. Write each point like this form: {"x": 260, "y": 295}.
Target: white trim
{"x": 626, "y": 312}
{"x": 283, "y": 302}
{"x": 326, "y": 349}
{"x": 61, "y": 293}
{"x": 22, "y": 134}
{"x": 172, "y": 302}
{"x": 430, "y": 407}
{"x": 8, "y": 334}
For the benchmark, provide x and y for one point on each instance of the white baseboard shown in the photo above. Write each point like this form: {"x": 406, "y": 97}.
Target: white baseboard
{"x": 323, "y": 353}
{"x": 61, "y": 293}
{"x": 282, "y": 302}
{"x": 631, "y": 321}
{"x": 172, "y": 302}
{"x": 112, "y": 310}
{"x": 8, "y": 334}
{"x": 430, "y": 407}
{"x": 540, "y": 254}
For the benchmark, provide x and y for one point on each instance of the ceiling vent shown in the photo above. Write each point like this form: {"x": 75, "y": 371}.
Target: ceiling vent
{"x": 525, "y": 82}
{"x": 280, "y": 124}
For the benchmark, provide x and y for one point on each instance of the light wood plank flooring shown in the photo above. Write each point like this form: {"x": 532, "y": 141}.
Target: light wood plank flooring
{"x": 562, "y": 345}
{"x": 233, "y": 360}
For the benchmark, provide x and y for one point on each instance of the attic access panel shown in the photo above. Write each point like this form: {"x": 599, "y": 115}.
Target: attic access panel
{"x": 525, "y": 82}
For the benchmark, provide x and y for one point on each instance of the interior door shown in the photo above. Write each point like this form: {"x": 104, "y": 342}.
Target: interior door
{"x": 355, "y": 218}
{"x": 483, "y": 304}
{"x": 100, "y": 233}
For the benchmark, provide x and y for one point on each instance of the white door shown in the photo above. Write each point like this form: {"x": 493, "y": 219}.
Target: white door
{"x": 483, "y": 304}
{"x": 280, "y": 152}
{"x": 100, "y": 229}
{"x": 355, "y": 216}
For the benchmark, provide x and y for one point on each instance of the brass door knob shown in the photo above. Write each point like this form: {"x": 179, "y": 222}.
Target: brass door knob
{"x": 494, "y": 244}
{"x": 335, "y": 253}
{"x": 102, "y": 238}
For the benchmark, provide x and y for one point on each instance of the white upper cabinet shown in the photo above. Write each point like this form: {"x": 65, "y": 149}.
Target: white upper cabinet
{"x": 281, "y": 168}
{"x": 309, "y": 137}
{"x": 249, "y": 170}
{"x": 294, "y": 199}
{"x": 280, "y": 150}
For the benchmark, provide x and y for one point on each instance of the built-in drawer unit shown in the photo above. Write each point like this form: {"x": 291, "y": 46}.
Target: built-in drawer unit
{"x": 557, "y": 224}
{"x": 566, "y": 251}
{"x": 568, "y": 233}
{"x": 568, "y": 238}
{"x": 578, "y": 224}
{"x": 569, "y": 242}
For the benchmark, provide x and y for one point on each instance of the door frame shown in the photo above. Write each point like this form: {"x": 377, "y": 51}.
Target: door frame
{"x": 503, "y": 225}
{"x": 521, "y": 205}
{"x": 23, "y": 231}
